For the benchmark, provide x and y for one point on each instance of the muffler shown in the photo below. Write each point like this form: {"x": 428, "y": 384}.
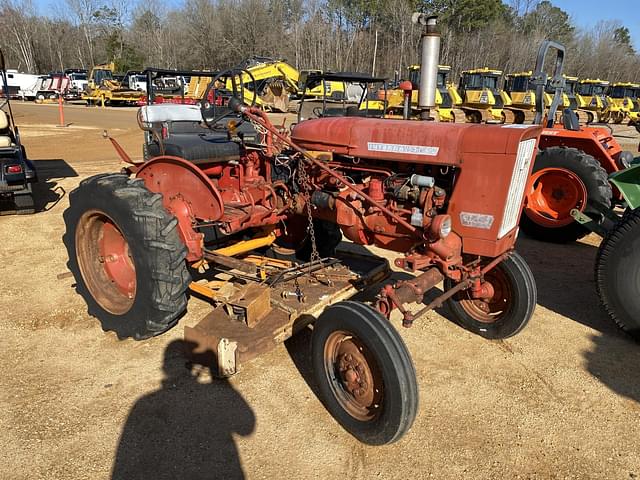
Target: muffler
{"x": 429, "y": 60}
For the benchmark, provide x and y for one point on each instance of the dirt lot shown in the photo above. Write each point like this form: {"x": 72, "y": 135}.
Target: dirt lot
{"x": 560, "y": 400}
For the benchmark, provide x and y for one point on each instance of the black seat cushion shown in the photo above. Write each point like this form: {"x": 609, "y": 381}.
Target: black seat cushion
{"x": 198, "y": 148}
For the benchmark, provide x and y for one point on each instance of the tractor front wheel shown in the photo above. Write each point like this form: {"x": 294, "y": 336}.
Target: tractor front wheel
{"x": 618, "y": 273}
{"x": 563, "y": 179}
{"x": 126, "y": 256}
{"x": 510, "y": 308}
{"x": 364, "y": 373}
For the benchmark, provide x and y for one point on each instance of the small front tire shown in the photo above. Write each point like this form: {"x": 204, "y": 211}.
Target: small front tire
{"x": 364, "y": 373}
{"x": 510, "y": 308}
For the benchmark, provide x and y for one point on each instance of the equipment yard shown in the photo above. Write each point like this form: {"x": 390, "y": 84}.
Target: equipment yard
{"x": 559, "y": 400}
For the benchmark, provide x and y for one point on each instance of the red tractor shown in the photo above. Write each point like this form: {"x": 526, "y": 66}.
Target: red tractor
{"x": 571, "y": 167}
{"x": 140, "y": 239}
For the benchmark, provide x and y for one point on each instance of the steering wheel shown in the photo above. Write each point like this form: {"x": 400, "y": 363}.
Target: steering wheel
{"x": 213, "y": 105}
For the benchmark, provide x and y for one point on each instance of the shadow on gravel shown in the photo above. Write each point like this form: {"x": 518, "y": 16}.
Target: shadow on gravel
{"x": 186, "y": 428}
{"x": 47, "y": 192}
{"x": 565, "y": 278}
{"x": 299, "y": 349}
{"x": 614, "y": 362}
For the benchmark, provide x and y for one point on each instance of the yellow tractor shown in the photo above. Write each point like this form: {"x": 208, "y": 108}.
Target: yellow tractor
{"x": 447, "y": 97}
{"x": 482, "y": 100}
{"x": 591, "y": 97}
{"x": 522, "y": 92}
{"x": 570, "y": 99}
{"x": 624, "y": 97}
{"x": 104, "y": 89}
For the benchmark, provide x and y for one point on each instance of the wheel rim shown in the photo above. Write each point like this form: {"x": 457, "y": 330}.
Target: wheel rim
{"x": 354, "y": 376}
{"x": 105, "y": 262}
{"x": 495, "y": 308}
{"x": 554, "y": 193}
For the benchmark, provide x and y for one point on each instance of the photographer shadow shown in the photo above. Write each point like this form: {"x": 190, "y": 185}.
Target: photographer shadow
{"x": 186, "y": 429}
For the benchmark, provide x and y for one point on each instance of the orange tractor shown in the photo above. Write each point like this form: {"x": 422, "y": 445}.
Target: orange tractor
{"x": 140, "y": 240}
{"x": 571, "y": 167}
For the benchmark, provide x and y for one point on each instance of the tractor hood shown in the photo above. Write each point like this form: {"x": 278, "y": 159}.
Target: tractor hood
{"x": 407, "y": 140}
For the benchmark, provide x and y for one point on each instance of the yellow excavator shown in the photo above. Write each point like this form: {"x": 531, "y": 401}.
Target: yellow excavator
{"x": 482, "y": 100}
{"x": 591, "y": 97}
{"x": 624, "y": 96}
{"x": 104, "y": 89}
{"x": 273, "y": 82}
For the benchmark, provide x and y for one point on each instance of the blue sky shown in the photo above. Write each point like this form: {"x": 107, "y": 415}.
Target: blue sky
{"x": 586, "y": 13}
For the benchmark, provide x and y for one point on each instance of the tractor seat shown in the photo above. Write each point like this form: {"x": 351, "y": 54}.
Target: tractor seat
{"x": 187, "y": 137}
{"x": 198, "y": 148}
{"x": 5, "y": 140}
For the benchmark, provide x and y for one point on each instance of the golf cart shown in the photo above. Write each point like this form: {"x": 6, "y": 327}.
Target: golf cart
{"x": 17, "y": 174}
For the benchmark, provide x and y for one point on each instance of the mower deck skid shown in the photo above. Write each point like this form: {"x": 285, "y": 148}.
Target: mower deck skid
{"x": 253, "y": 318}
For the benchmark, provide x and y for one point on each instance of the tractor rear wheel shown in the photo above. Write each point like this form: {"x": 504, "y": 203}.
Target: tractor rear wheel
{"x": 563, "y": 179}
{"x": 364, "y": 373}
{"x": 510, "y": 308}
{"x": 126, "y": 256}
{"x": 618, "y": 273}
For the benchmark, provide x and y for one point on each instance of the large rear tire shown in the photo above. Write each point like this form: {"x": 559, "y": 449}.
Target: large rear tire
{"x": 618, "y": 273}
{"x": 364, "y": 373}
{"x": 563, "y": 179}
{"x": 126, "y": 256}
{"x": 510, "y": 308}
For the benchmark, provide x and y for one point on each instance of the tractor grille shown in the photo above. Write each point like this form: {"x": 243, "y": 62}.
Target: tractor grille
{"x": 516, "y": 189}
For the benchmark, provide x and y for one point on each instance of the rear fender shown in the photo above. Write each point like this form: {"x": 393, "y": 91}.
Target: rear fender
{"x": 596, "y": 142}
{"x": 187, "y": 193}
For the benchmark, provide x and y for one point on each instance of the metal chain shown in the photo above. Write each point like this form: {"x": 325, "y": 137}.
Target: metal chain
{"x": 303, "y": 180}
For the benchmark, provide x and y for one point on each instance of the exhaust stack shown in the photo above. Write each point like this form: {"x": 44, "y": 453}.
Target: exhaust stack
{"x": 429, "y": 60}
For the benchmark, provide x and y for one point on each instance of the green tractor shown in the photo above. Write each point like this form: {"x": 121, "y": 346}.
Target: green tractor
{"x": 617, "y": 268}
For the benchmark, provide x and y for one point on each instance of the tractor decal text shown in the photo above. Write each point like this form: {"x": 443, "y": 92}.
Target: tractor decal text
{"x": 401, "y": 148}
{"x": 476, "y": 220}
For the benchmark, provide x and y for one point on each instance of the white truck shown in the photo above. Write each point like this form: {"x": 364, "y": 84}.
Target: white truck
{"x": 19, "y": 82}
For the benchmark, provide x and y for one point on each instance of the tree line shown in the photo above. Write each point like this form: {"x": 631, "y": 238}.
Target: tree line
{"x": 372, "y": 36}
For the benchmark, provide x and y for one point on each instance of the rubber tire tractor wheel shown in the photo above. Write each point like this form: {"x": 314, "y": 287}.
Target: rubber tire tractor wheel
{"x": 115, "y": 229}
{"x": 580, "y": 168}
{"x": 511, "y": 308}
{"x": 618, "y": 273}
{"x": 364, "y": 373}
